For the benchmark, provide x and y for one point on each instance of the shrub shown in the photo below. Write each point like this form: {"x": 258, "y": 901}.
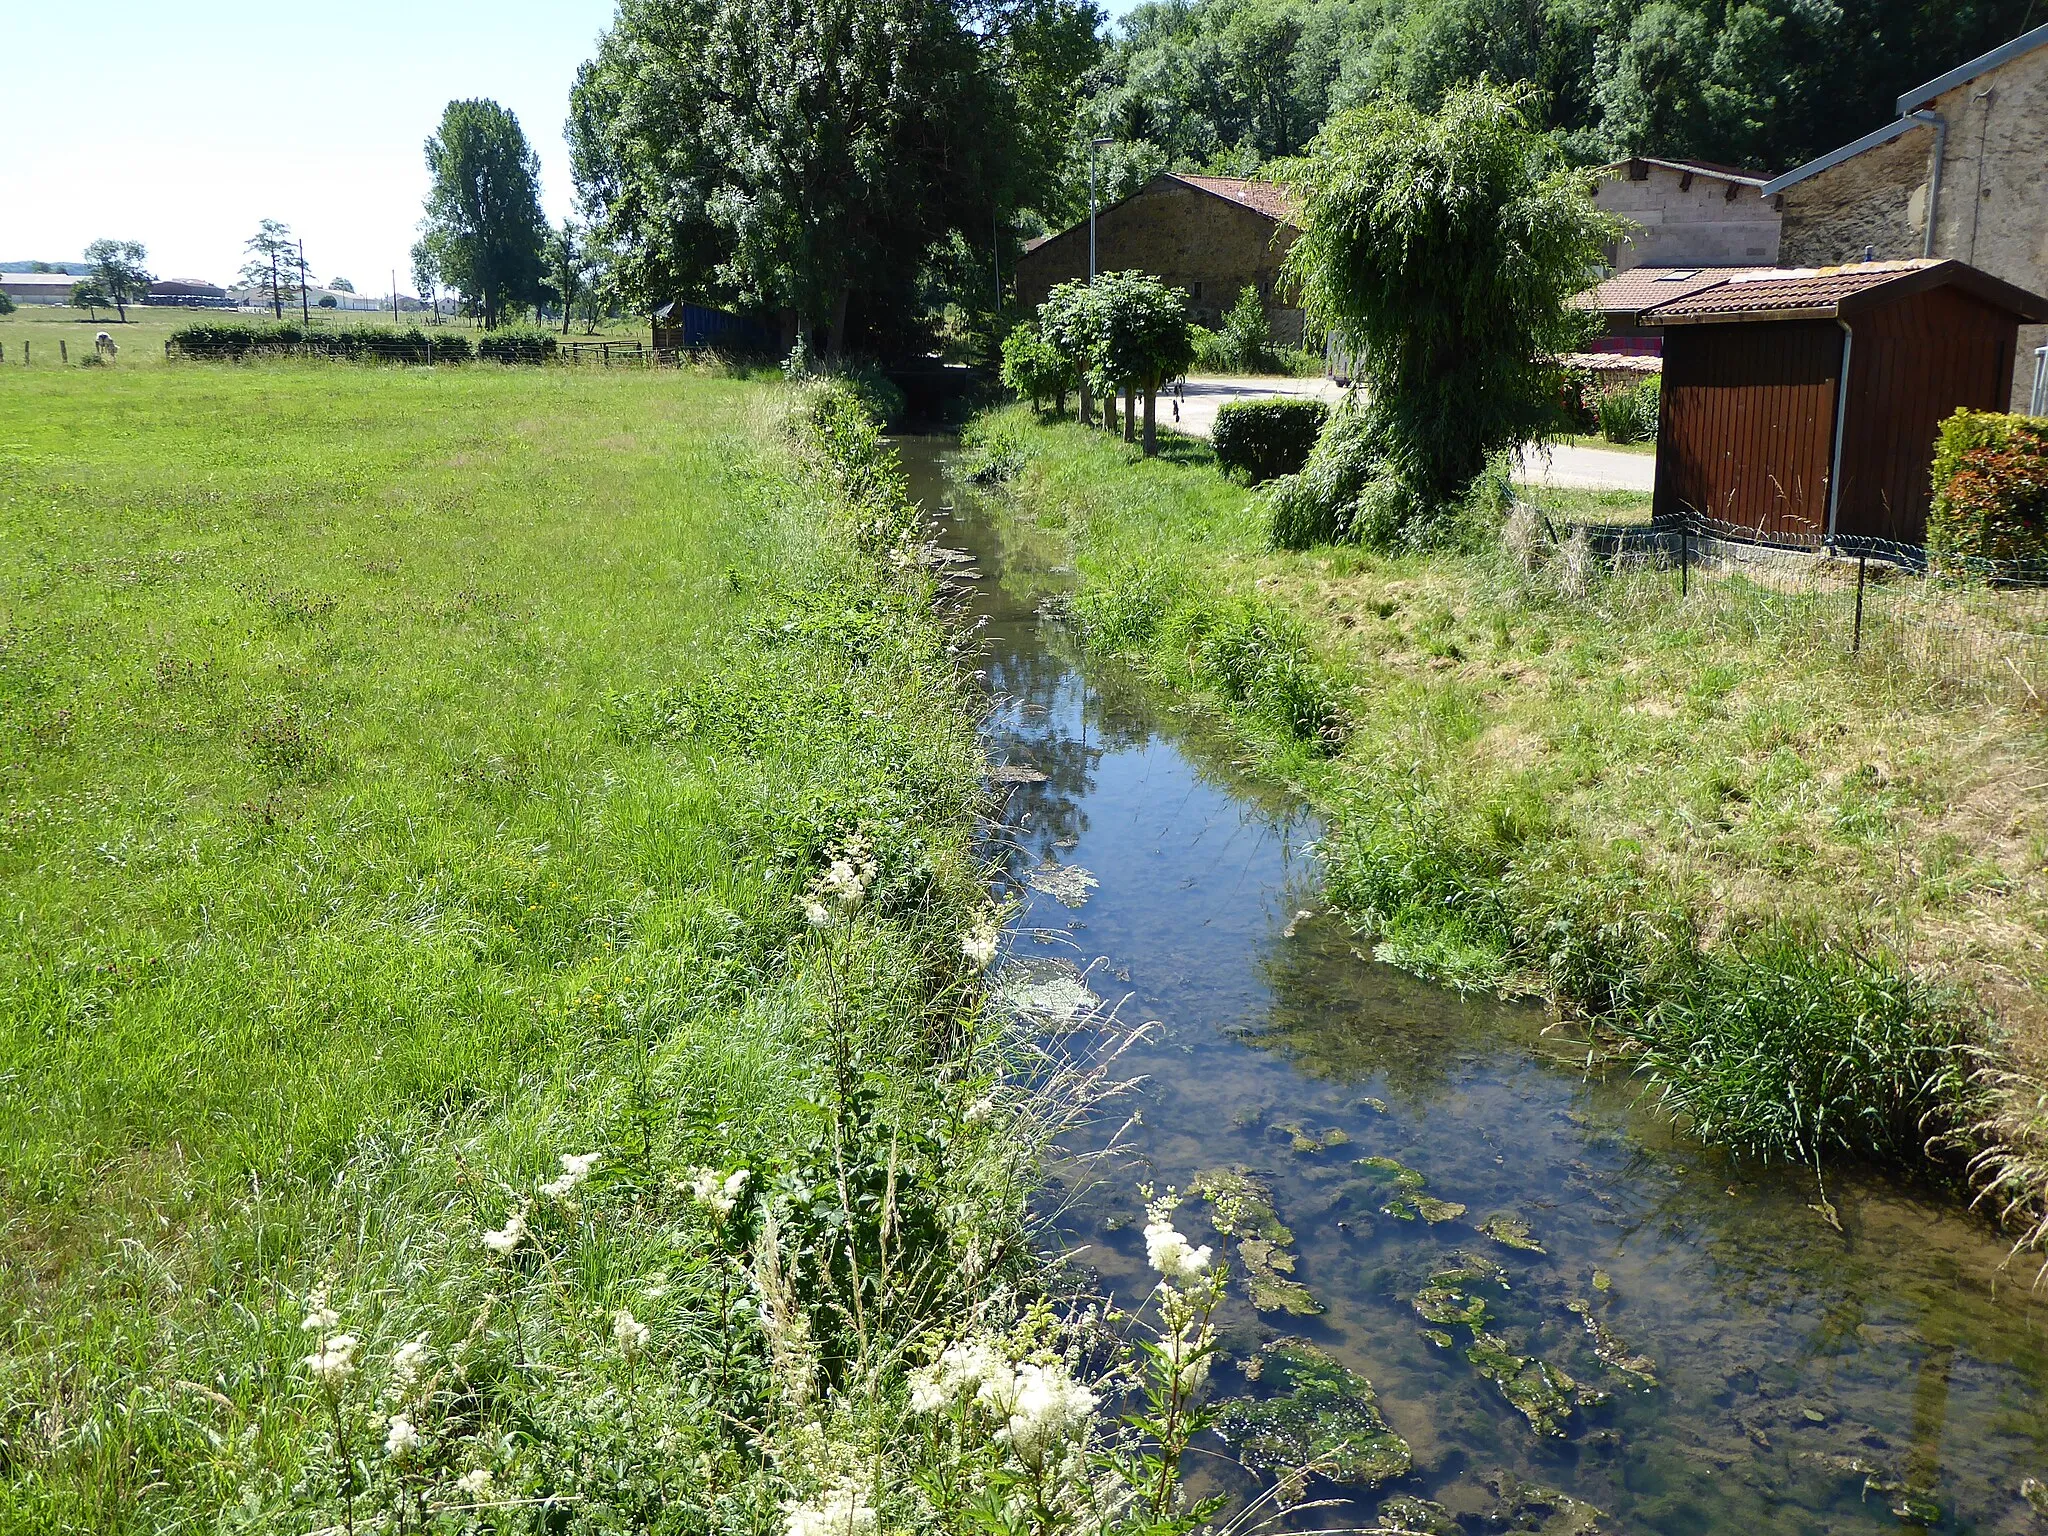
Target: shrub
{"x": 1322, "y": 503}
{"x": 1990, "y": 490}
{"x": 1035, "y": 368}
{"x": 991, "y": 452}
{"x": 6, "y": 305}
{"x": 1211, "y": 355}
{"x": 510, "y": 345}
{"x": 1629, "y": 414}
{"x": 1268, "y": 438}
{"x": 238, "y": 341}
{"x": 1247, "y": 339}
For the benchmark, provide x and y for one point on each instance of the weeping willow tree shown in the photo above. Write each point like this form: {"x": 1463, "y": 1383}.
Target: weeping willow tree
{"x": 1443, "y": 249}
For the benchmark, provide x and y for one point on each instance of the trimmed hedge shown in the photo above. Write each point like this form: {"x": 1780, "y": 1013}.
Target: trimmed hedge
{"x": 215, "y": 339}
{"x": 1268, "y": 438}
{"x": 517, "y": 346}
{"x": 1990, "y": 491}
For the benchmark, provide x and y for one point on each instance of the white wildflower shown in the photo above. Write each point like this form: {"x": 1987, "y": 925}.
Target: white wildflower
{"x": 576, "y": 1168}
{"x": 816, "y": 913}
{"x": 963, "y": 1371}
{"x": 979, "y": 945}
{"x": 843, "y": 883}
{"x": 406, "y": 1361}
{"x": 401, "y": 1439}
{"x": 980, "y": 1109}
{"x": 1169, "y": 1253}
{"x": 334, "y": 1361}
{"x": 836, "y": 1512}
{"x": 1043, "y": 1408}
{"x": 720, "y": 1191}
{"x": 476, "y": 1483}
{"x": 629, "y": 1333}
{"x": 507, "y": 1237}
{"x": 320, "y": 1318}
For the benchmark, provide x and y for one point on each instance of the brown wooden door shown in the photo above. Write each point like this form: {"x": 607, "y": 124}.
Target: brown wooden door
{"x": 1747, "y": 429}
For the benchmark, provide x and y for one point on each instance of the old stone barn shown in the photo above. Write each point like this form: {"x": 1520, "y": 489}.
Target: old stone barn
{"x": 1214, "y": 236}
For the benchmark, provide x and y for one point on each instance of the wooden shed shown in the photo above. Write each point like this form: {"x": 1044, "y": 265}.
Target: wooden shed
{"x": 1758, "y": 432}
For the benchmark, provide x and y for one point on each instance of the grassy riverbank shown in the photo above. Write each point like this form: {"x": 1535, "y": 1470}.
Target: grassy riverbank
{"x": 411, "y": 779}
{"x": 1787, "y": 884}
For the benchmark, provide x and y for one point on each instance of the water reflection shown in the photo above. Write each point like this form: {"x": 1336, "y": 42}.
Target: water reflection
{"x": 1808, "y": 1379}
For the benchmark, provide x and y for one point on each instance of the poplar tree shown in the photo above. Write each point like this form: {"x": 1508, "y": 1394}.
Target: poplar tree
{"x": 483, "y": 234}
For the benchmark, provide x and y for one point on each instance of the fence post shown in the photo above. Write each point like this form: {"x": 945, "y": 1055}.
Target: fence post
{"x": 63, "y": 350}
{"x": 1685, "y": 560}
{"x": 1856, "y": 638}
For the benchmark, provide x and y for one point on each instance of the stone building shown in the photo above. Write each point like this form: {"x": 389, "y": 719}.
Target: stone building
{"x": 1211, "y": 235}
{"x": 1687, "y": 213}
{"x": 1962, "y": 172}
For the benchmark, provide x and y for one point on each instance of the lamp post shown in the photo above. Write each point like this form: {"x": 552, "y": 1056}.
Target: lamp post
{"x": 1093, "y": 145}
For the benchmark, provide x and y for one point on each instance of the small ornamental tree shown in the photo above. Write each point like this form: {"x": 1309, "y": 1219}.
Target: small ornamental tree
{"x": 1035, "y": 368}
{"x": 1443, "y": 251}
{"x": 1142, "y": 338}
{"x": 88, "y": 295}
{"x": 1067, "y": 322}
{"x": 117, "y": 268}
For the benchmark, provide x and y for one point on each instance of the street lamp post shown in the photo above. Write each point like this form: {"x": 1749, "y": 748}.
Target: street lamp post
{"x": 1093, "y": 145}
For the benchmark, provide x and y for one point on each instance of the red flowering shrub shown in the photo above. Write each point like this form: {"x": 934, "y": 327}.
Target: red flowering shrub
{"x": 1990, "y": 490}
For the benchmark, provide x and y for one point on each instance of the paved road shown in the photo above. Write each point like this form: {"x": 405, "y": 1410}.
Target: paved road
{"x": 1564, "y": 464}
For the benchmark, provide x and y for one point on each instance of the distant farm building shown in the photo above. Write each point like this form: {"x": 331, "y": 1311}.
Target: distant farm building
{"x": 1962, "y": 173}
{"x": 1688, "y": 213}
{"x": 1213, "y": 236}
{"x": 37, "y": 287}
{"x": 1801, "y": 406}
{"x": 188, "y": 292}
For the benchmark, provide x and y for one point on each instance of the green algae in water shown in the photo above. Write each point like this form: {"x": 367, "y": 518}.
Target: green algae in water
{"x": 1428, "y": 1207}
{"x": 1544, "y": 1394}
{"x": 1639, "y": 1370}
{"x": 1265, "y": 1265}
{"x": 1321, "y": 1418}
{"x": 1510, "y": 1232}
{"x": 1532, "y": 1507}
{"x": 1425, "y": 1517}
{"x": 1240, "y": 1204}
{"x": 1393, "y": 1171}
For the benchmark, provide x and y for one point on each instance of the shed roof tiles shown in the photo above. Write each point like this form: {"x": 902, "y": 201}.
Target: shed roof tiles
{"x": 1823, "y": 293}
{"x": 1266, "y": 197}
{"x": 1641, "y": 288}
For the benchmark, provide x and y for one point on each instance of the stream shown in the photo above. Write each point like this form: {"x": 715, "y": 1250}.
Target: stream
{"x": 1575, "y": 1318}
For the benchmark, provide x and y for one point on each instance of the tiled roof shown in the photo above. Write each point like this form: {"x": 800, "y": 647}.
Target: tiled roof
{"x": 1780, "y": 290}
{"x": 1264, "y": 197}
{"x": 1641, "y": 288}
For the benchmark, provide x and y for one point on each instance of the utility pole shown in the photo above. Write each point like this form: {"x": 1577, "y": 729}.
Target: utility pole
{"x": 394, "y": 295}
{"x": 305, "y": 313}
{"x": 276, "y": 299}
{"x": 1093, "y": 145}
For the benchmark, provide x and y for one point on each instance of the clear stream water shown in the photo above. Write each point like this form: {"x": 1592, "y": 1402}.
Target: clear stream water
{"x": 1888, "y": 1375}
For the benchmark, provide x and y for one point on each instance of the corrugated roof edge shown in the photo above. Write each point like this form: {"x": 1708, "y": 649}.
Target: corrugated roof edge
{"x": 2026, "y": 42}
{"x": 1835, "y": 157}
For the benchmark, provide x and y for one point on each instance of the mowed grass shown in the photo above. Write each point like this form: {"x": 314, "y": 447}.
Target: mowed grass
{"x": 354, "y": 861}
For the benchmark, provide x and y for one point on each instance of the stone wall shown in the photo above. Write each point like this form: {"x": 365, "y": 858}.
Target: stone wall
{"x": 1210, "y": 246}
{"x": 1993, "y": 209}
{"x": 1688, "y": 222}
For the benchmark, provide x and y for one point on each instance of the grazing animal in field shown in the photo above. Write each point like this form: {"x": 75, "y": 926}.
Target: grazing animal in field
{"x": 103, "y": 347}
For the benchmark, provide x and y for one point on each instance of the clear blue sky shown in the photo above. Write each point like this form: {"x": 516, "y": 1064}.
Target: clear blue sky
{"x": 182, "y": 127}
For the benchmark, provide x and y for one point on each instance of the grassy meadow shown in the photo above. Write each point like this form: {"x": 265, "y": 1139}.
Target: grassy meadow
{"x": 410, "y": 778}
{"x": 1794, "y": 884}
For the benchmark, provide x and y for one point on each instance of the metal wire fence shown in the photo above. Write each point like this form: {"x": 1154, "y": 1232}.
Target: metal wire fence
{"x": 1979, "y": 626}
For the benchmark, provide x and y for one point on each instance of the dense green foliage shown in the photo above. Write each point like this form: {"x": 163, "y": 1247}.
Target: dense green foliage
{"x": 483, "y": 234}
{"x": 1035, "y": 369}
{"x": 1443, "y": 250}
{"x": 847, "y": 163}
{"x": 1990, "y": 491}
{"x": 240, "y": 340}
{"x": 1263, "y": 439}
{"x": 412, "y": 780}
{"x": 1629, "y": 414}
{"x": 1229, "y": 86}
{"x": 508, "y": 345}
{"x": 117, "y": 267}
{"x": 1125, "y": 331}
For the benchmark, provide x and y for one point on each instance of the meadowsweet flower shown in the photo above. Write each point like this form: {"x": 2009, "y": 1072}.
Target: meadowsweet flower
{"x": 629, "y": 1333}
{"x": 979, "y": 945}
{"x": 980, "y": 1109}
{"x": 575, "y": 1169}
{"x": 400, "y": 1439}
{"x": 507, "y": 1237}
{"x": 320, "y": 1318}
{"x": 816, "y": 913}
{"x": 334, "y": 1361}
{"x": 961, "y": 1372}
{"x": 835, "y": 1512}
{"x": 1168, "y": 1252}
{"x": 842, "y": 882}
{"x": 1043, "y": 1408}
{"x": 720, "y": 1191}
{"x": 406, "y": 1361}
{"x": 476, "y": 1482}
